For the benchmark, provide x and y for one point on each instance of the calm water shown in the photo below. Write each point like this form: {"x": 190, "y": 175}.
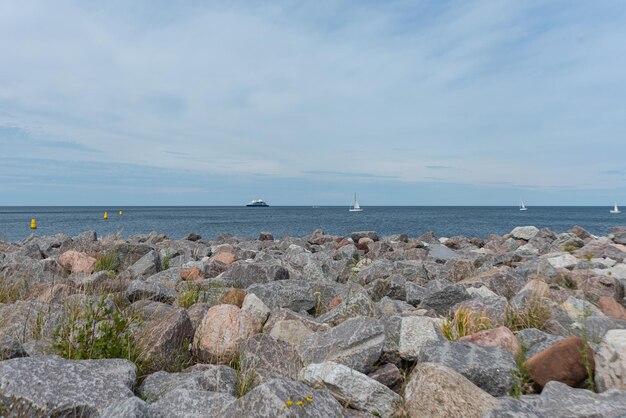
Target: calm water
{"x": 210, "y": 222}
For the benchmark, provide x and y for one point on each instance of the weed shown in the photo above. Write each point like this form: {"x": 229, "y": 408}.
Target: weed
{"x": 464, "y": 322}
{"x": 534, "y": 314}
{"x": 166, "y": 261}
{"x": 521, "y": 377}
{"x": 12, "y": 291}
{"x": 107, "y": 262}
{"x": 188, "y": 297}
{"x": 245, "y": 375}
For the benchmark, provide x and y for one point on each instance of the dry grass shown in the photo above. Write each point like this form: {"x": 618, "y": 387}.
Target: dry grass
{"x": 12, "y": 291}
{"x": 534, "y": 314}
{"x": 464, "y": 322}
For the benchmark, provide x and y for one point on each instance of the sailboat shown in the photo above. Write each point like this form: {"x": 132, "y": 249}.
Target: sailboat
{"x": 615, "y": 209}
{"x": 355, "y": 207}
{"x": 523, "y": 207}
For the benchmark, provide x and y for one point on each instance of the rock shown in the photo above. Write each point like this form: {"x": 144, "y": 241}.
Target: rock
{"x": 129, "y": 408}
{"x": 356, "y": 343}
{"x": 77, "y": 262}
{"x": 265, "y": 355}
{"x": 356, "y": 236}
{"x": 389, "y": 375}
{"x": 562, "y": 362}
{"x": 561, "y": 401}
{"x": 183, "y": 403}
{"x": 295, "y": 295}
{"x": 93, "y": 281}
{"x": 139, "y": 290}
{"x": 610, "y": 361}
{"x": 256, "y": 308}
{"x": 221, "y": 379}
{"x": 579, "y": 309}
{"x": 356, "y": 303}
{"x": 11, "y": 348}
{"x": 268, "y": 400}
{"x": 224, "y": 257}
{"x": 414, "y": 293}
{"x": 618, "y": 234}
{"x": 493, "y": 307}
{"x": 352, "y": 388}
{"x": 513, "y": 408}
{"x": 234, "y": 297}
{"x": 442, "y": 253}
{"x": 243, "y": 274}
{"x": 434, "y": 390}
{"x": 441, "y": 295}
{"x": 489, "y": 368}
{"x": 497, "y": 337}
{"x": 599, "y": 286}
{"x": 291, "y": 331}
{"x": 504, "y": 281}
{"x": 524, "y": 232}
{"x": 610, "y": 307}
{"x": 564, "y": 261}
{"x": 191, "y": 274}
{"x": 52, "y": 386}
{"x": 266, "y": 236}
{"x": 220, "y": 333}
{"x": 417, "y": 332}
{"x": 536, "y": 341}
{"x": 165, "y": 340}
{"x": 29, "y": 320}
{"x": 281, "y": 314}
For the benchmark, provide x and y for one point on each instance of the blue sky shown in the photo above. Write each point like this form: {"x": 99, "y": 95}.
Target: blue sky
{"x": 305, "y": 102}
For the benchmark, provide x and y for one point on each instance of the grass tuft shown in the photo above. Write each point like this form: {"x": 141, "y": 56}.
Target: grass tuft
{"x": 464, "y": 322}
{"x": 107, "y": 262}
{"x": 534, "y": 314}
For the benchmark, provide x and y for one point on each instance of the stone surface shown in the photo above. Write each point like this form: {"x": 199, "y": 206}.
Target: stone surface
{"x": 265, "y": 355}
{"x": 356, "y": 343}
{"x": 504, "y": 281}
{"x": 77, "y": 262}
{"x": 129, "y": 408}
{"x": 234, "y": 297}
{"x": 389, "y": 375}
{"x": 356, "y": 236}
{"x": 610, "y": 307}
{"x": 256, "y": 308}
{"x": 497, "y": 337}
{"x": 184, "y": 403}
{"x": 213, "y": 378}
{"x": 243, "y": 274}
{"x": 220, "y": 333}
{"x": 561, "y": 362}
{"x": 291, "y": 331}
{"x": 352, "y": 388}
{"x": 524, "y": 232}
{"x": 146, "y": 266}
{"x": 513, "y": 408}
{"x": 563, "y": 261}
{"x": 441, "y": 295}
{"x": 296, "y": 295}
{"x": 53, "y": 386}
{"x": 434, "y": 390}
{"x": 11, "y": 348}
{"x": 417, "y": 332}
{"x": 489, "y": 368}
{"x": 442, "y": 253}
{"x": 191, "y": 274}
{"x": 268, "y": 400}
{"x": 139, "y": 289}
{"x": 536, "y": 341}
{"x": 610, "y": 361}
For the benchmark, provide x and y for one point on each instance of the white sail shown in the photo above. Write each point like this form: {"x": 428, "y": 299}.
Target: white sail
{"x": 523, "y": 207}
{"x": 356, "y": 207}
{"x": 615, "y": 209}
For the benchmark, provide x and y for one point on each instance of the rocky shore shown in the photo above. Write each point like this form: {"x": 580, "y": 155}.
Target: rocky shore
{"x": 529, "y": 324}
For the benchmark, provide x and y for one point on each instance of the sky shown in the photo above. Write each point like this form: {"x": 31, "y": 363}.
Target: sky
{"x": 306, "y": 102}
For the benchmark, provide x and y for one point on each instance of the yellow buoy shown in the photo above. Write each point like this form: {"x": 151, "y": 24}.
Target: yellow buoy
{"x": 121, "y": 213}
{"x": 33, "y": 223}
{"x": 105, "y": 216}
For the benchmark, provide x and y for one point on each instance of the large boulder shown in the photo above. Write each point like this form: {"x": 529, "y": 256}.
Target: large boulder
{"x": 352, "y": 388}
{"x": 497, "y": 337}
{"x": 356, "y": 343}
{"x": 441, "y": 295}
{"x": 610, "y": 307}
{"x": 524, "y": 232}
{"x": 243, "y": 274}
{"x": 139, "y": 290}
{"x": 504, "y": 281}
{"x": 129, "y": 408}
{"x": 183, "y": 403}
{"x": 536, "y": 341}
{"x": 434, "y": 390}
{"x": 491, "y": 369}
{"x": 77, "y": 262}
{"x": 146, "y": 266}
{"x": 611, "y": 361}
{"x": 416, "y": 333}
{"x": 11, "y": 348}
{"x": 52, "y": 386}
{"x": 297, "y": 295}
{"x": 212, "y": 378}
{"x": 220, "y": 333}
{"x": 281, "y": 397}
{"x": 268, "y": 357}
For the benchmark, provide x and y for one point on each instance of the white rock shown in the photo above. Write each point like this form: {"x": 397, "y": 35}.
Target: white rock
{"x": 352, "y": 387}
{"x": 611, "y": 361}
{"x": 417, "y": 332}
{"x": 579, "y": 309}
{"x": 527, "y": 249}
{"x": 255, "y": 306}
{"x": 525, "y": 232}
{"x": 481, "y": 292}
{"x": 564, "y": 261}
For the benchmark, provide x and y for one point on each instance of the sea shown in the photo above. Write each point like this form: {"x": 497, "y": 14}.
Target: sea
{"x": 210, "y": 222}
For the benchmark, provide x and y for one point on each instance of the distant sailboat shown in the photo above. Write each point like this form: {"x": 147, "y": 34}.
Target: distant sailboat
{"x": 355, "y": 207}
{"x": 523, "y": 207}
{"x": 615, "y": 209}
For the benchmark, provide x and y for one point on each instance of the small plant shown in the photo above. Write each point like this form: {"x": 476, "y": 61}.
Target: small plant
{"x": 12, "y": 291}
{"x": 245, "y": 375}
{"x": 585, "y": 353}
{"x": 96, "y": 332}
{"x": 534, "y": 314}
{"x": 107, "y": 262}
{"x": 521, "y": 377}
{"x": 464, "y": 322}
{"x": 188, "y": 297}
{"x": 166, "y": 261}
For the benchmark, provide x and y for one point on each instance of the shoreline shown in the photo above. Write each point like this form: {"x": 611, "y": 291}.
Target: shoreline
{"x": 362, "y": 324}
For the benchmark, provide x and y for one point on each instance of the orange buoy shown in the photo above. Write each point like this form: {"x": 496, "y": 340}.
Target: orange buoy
{"x": 105, "y": 216}
{"x": 33, "y": 223}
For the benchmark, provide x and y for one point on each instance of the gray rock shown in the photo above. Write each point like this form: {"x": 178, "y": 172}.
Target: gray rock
{"x": 29, "y": 320}
{"x": 186, "y": 403}
{"x": 266, "y": 236}
{"x": 416, "y": 333}
{"x": 525, "y": 232}
{"x": 442, "y": 253}
{"x": 281, "y": 314}
{"x": 494, "y": 307}
{"x": 270, "y": 357}
{"x": 489, "y": 368}
{"x": 610, "y": 359}
{"x": 243, "y": 274}
{"x": 352, "y": 388}
{"x": 268, "y": 400}
{"x": 389, "y": 375}
{"x": 355, "y": 303}
{"x": 50, "y": 385}
{"x": 414, "y": 293}
{"x": 504, "y": 281}
{"x": 441, "y": 295}
{"x": 296, "y": 295}
{"x": 379, "y": 269}
{"x": 356, "y": 236}
{"x": 146, "y": 266}
{"x": 11, "y": 348}
{"x": 213, "y": 378}
{"x": 561, "y": 401}
{"x": 139, "y": 289}
{"x": 618, "y": 234}
{"x": 536, "y": 341}
{"x": 513, "y": 408}
{"x": 356, "y": 343}
{"x": 129, "y": 408}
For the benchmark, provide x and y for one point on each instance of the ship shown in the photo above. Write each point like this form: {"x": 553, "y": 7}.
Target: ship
{"x": 257, "y": 203}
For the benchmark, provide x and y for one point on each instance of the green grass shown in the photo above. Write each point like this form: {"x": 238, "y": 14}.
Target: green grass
{"x": 534, "y": 314}
{"x": 188, "y": 297}
{"x": 522, "y": 380}
{"x": 245, "y": 376}
{"x": 107, "y": 262}
{"x": 12, "y": 291}
{"x": 464, "y": 322}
